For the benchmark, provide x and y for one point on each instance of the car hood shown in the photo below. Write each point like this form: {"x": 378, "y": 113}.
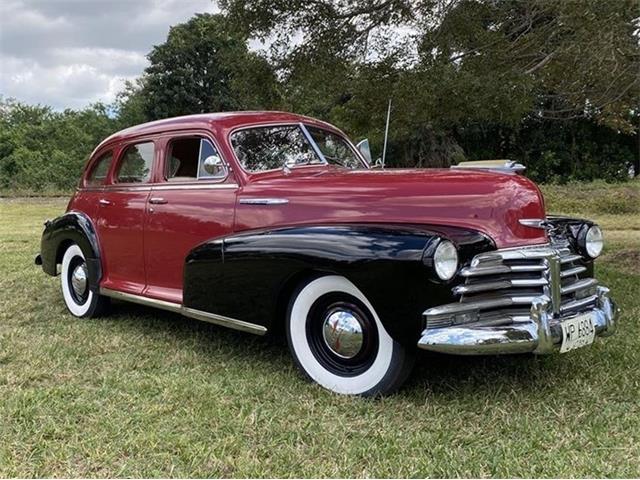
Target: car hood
{"x": 490, "y": 202}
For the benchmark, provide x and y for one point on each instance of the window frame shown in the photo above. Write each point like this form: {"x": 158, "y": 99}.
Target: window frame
{"x": 347, "y": 141}
{"x": 307, "y": 135}
{"x": 118, "y": 165}
{"x": 93, "y": 164}
{"x": 168, "y": 137}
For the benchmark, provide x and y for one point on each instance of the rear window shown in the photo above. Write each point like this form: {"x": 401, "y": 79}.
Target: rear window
{"x": 136, "y": 163}
{"x": 98, "y": 173}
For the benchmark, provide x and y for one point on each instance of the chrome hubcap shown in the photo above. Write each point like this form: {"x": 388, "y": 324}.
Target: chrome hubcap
{"x": 79, "y": 279}
{"x": 342, "y": 333}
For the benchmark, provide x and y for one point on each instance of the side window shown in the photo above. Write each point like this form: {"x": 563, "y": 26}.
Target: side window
{"x": 335, "y": 149}
{"x": 193, "y": 158}
{"x": 136, "y": 163}
{"x": 267, "y": 148}
{"x": 99, "y": 171}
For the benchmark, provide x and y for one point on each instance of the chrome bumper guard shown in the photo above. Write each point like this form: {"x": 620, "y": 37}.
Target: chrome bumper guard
{"x": 541, "y": 333}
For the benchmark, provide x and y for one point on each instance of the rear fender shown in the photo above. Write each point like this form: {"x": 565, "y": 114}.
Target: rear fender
{"x": 72, "y": 227}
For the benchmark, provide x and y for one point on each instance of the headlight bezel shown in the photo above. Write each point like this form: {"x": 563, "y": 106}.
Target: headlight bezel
{"x": 591, "y": 240}
{"x": 444, "y": 254}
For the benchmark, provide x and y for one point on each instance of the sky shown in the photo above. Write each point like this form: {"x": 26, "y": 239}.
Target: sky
{"x": 70, "y": 53}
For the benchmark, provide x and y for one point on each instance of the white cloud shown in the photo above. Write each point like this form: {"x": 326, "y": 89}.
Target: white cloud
{"x": 69, "y": 53}
{"x": 73, "y": 85}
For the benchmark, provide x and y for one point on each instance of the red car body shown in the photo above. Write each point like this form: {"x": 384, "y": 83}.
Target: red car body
{"x": 146, "y": 235}
{"x": 489, "y": 202}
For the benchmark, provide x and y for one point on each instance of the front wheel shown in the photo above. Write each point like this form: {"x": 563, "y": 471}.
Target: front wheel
{"x": 78, "y": 297}
{"x": 338, "y": 341}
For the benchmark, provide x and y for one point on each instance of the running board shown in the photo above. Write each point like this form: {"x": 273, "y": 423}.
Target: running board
{"x": 186, "y": 311}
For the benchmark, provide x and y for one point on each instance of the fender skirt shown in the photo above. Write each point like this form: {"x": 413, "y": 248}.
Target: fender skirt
{"x": 251, "y": 276}
{"x": 73, "y": 227}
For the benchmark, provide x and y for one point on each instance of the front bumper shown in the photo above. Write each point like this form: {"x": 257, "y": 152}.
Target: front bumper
{"x": 541, "y": 333}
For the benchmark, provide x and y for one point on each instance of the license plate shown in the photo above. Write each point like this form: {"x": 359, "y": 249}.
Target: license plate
{"x": 577, "y": 332}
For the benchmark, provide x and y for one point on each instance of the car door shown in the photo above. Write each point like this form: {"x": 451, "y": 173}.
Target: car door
{"x": 193, "y": 200}
{"x": 120, "y": 217}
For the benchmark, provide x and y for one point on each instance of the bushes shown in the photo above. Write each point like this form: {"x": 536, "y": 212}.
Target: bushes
{"x": 556, "y": 152}
{"x": 42, "y": 150}
{"x": 45, "y": 150}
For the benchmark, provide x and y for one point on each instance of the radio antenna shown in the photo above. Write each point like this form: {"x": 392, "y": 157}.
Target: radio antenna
{"x": 386, "y": 135}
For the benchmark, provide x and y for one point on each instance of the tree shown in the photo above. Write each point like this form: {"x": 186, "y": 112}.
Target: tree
{"x": 451, "y": 64}
{"x": 204, "y": 66}
{"x": 41, "y": 149}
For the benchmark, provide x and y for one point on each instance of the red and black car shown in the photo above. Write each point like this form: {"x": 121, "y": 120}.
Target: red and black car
{"x": 267, "y": 221}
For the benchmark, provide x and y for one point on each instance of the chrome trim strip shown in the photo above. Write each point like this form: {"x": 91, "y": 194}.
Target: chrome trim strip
{"x": 500, "y": 284}
{"x": 185, "y": 311}
{"x": 313, "y": 143}
{"x": 161, "y": 186}
{"x": 132, "y": 188}
{"x": 570, "y": 258}
{"x": 578, "y": 304}
{"x": 478, "y": 271}
{"x": 497, "y": 165}
{"x": 579, "y": 285}
{"x": 533, "y": 222}
{"x": 572, "y": 271}
{"x": 461, "y": 307}
{"x": 263, "y": 201}
{"x": 555, "y": 285}
{"x": 140, "y": 300}
{"x": 224, "y": 321}
{"x": 190, "y": 186}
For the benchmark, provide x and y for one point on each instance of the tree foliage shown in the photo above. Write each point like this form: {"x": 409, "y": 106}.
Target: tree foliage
{"x": 41, "y": 149}
{"x": 558, "y": 60}
{"x": 552, "y": 84}
{"x": 204, "y": 66}
{"x": 452, "y": 66}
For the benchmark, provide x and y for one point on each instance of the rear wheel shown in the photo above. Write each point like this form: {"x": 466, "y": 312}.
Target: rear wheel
{"x": 338, "y": 341}
{"x": 78, "y": 297}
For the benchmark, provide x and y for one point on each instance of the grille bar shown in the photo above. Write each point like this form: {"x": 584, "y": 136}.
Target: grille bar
{"x": 579, "y": 285}
{"x": 480, "y": 271}
{"x": 500, "y": 286}
{"x": 573, "y": 271}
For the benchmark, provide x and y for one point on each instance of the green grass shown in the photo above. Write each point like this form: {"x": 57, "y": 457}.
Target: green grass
{"x": 148, "y": 393}
{"x": 595, "y": 198}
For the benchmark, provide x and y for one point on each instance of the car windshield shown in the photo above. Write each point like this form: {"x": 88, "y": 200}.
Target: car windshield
{"x": 267, "y": 148}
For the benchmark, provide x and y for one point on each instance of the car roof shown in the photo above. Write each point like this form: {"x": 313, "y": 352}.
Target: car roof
{"x": 220, "y": 120}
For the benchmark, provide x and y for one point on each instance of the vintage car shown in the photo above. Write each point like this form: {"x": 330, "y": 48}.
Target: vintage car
{"x": 275, "y": 222}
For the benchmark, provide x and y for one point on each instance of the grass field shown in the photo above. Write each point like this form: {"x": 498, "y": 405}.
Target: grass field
{"x": 148, "y": 393}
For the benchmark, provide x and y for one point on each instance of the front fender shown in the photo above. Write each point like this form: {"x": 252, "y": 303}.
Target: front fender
{"x": 72, "y": 227}
{"x": 249, "y": 276}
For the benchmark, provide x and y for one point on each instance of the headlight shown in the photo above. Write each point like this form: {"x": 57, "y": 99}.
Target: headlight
{"x": 445, "y": 260}
{"x": 593, "y": 241}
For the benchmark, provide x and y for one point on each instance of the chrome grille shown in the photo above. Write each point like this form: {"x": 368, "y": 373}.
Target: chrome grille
{"x": 500, "y": 286}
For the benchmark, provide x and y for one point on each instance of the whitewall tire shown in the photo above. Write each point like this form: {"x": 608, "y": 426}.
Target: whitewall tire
{"x": 338, "y": 341}
{"x": 74, "y": 277}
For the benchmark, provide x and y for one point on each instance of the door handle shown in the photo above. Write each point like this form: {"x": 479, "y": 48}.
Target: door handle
{"x": 157, "y": 201}
{"x": 104, "y": 202}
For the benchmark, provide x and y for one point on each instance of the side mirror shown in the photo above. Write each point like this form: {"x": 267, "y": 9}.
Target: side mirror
{"x": 213, "y": 167}
{"x": 365, "y": 151}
